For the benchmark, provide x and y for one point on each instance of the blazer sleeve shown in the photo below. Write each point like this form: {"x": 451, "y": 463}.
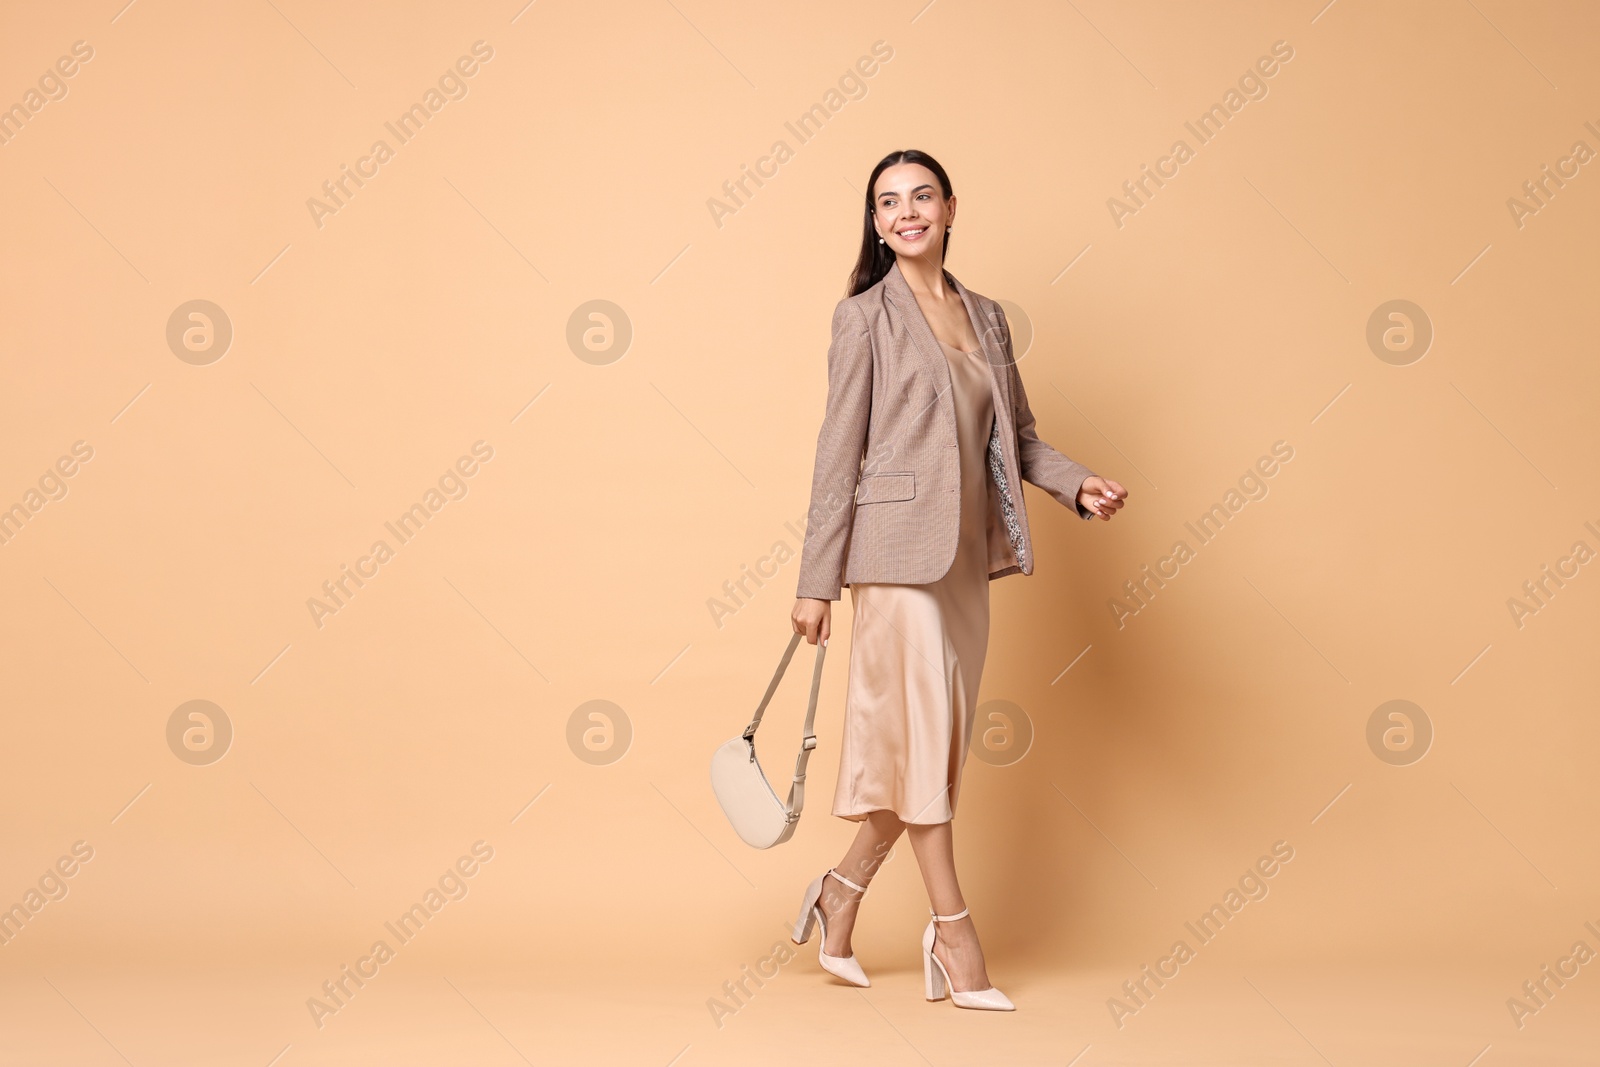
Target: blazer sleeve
{"x": 1041, "y": 464}
{"x": 841, "y": 443}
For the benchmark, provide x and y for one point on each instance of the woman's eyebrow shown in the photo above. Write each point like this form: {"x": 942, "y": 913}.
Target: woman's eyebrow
{"x": 895, "y": 192}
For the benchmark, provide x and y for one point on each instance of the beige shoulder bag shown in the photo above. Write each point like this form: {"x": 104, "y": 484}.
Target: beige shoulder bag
{"x": 755, "y": 811}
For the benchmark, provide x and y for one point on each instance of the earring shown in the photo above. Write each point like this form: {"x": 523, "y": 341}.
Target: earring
{"x": 947, "y": 229}
{"x": 880, "y": 240}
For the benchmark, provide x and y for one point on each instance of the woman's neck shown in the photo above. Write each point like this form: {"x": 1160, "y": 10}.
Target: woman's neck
{"x": 925, "y": 278}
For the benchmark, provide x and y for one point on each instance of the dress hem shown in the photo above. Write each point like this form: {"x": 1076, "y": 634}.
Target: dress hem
{"x": 861, "y": 816}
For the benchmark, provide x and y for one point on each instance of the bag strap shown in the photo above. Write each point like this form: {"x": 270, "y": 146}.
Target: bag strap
{"x": 772, "y": 686}
{"x": 797, "y": 789}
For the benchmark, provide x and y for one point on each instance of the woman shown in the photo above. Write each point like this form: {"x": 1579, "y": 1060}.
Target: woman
{"x": 916, "y": 505}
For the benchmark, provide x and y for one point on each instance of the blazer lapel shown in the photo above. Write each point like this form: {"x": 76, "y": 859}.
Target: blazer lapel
{"x": 928, "y": 345}
{"x": 1000, "y": 460}
{"x": 921, "y": 333}
{"x": 994, "y": 353}
{"x": 991, "y": 344}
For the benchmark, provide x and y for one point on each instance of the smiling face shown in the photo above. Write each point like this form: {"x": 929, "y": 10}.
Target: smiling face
{"x": 910, "y": 211}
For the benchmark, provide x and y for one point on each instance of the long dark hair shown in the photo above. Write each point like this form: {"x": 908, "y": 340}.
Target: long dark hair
{"x": 876, "y": 259}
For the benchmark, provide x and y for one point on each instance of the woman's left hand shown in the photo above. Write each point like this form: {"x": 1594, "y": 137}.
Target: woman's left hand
{"x": 1102, "y": 496}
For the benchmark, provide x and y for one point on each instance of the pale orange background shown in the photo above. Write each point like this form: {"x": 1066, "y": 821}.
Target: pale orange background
{"x": 432, "y": 311}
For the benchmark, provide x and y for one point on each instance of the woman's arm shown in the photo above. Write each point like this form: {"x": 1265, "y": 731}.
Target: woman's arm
{"x": 840, "y": 445}
{"x": 1041, "y": 464}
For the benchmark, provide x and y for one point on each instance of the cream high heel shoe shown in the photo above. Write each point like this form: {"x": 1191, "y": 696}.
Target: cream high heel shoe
{"x": 811, "y": 915}
{"x": 937, "y": 981}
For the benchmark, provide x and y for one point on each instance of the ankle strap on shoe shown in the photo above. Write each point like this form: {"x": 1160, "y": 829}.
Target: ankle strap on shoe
{"x": 962, "y": 914}
{"x": 848, "y": 882}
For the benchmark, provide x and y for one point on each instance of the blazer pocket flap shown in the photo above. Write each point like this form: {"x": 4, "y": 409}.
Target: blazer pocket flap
{"x": 894, "y": 485}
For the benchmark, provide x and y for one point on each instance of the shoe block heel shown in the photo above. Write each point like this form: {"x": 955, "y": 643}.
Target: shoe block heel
{"x": 932, "y": 979}
{"x": 807, "y": 922}
{"x": 803, "y": 928}
{"x": 933, "y": 983}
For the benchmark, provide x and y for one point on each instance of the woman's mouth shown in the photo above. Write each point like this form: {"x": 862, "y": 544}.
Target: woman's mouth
{"x": 913, "y": 234}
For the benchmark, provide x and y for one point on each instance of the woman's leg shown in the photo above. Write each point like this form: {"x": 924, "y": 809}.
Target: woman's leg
{"x": 877, "y": 835}
{"x": 955, "y": 943}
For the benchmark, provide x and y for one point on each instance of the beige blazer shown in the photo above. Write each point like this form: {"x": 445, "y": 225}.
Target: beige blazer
{"x": 885, "y": 491}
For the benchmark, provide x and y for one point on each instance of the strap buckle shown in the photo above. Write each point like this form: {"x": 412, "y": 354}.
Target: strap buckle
{"x": 809, "y": 743}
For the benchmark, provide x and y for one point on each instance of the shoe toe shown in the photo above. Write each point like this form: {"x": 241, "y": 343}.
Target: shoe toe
{"x": 983, "y": 999}
{"x": 844, "y": 967}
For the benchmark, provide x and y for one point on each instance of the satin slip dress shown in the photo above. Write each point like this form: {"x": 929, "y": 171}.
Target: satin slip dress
{"x": 917, "y": 651}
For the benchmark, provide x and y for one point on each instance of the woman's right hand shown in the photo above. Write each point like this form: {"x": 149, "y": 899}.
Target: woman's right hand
{"x": 812, "y": 618}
